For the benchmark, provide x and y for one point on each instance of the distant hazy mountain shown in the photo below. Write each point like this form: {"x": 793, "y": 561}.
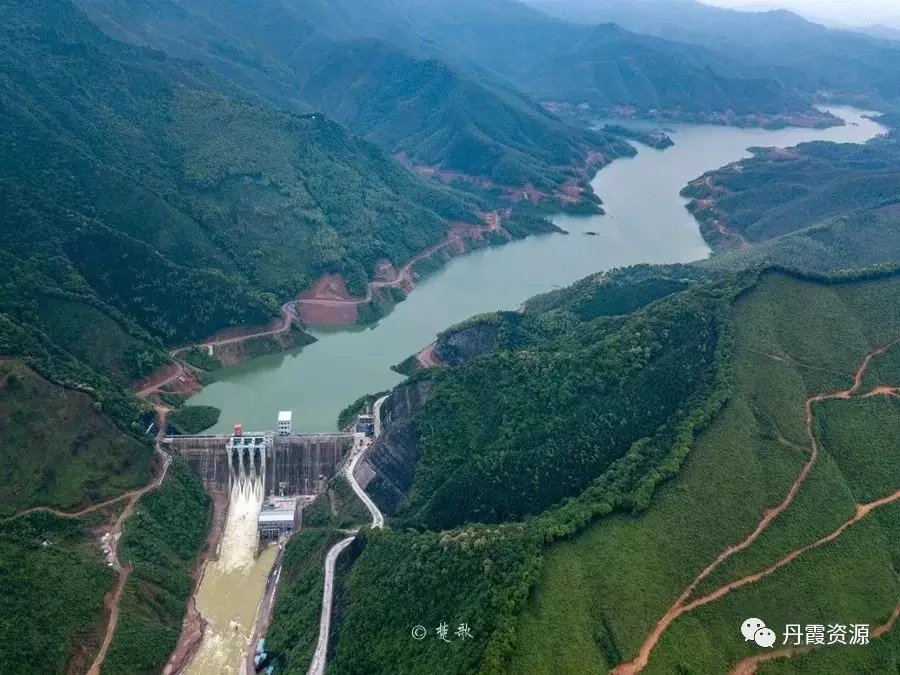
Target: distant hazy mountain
{"x": 879, "y": 31}
{"x": 802, "y": 54}
{"x": 279, "y": 42}
{"x": 603, "y": 66}
{"x": 434, "y": 113}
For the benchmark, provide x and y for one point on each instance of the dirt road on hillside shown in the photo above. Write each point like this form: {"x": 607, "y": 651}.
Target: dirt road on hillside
{"x": 748, "y": 666}
{"x": 682, "y": 606}
{"x": 123, "y": 571}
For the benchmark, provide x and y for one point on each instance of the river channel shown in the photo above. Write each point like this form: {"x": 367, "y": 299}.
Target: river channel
{"x": 646, "y": 222}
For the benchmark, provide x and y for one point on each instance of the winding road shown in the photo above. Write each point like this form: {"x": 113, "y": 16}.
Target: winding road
{"x": 682, "y": 605}
{"x": 121, "y": 570}
{"x": 320, "y": 657}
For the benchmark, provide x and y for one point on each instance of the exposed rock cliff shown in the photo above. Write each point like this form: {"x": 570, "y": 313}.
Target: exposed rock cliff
{"x": 456, "y": 348}
{"x": 388, "y": 469}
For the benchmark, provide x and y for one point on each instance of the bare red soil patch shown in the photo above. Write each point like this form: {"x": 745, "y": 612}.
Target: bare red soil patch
{"x": 569, "y": 194}
{"x": 329, "y": 303}
{"x": 428, "y": 357}
{"x": 329, "y": 287}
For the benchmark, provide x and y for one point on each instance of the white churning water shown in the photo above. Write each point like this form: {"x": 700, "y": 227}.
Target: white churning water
{"x": 233, "y": 584}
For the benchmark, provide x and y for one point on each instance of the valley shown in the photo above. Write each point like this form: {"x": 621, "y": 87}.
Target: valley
{"x": 469, "y": 336}
{"x": 635, "y": 229}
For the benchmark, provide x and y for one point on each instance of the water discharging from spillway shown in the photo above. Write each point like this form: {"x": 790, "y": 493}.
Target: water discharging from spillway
{"x": 233, "y": 585}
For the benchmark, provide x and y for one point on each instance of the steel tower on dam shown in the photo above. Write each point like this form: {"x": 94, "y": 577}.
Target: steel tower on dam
{"x": 292, "y": 464}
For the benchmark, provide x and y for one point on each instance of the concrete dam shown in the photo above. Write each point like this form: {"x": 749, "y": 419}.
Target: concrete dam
{"x": 288, "y": 464}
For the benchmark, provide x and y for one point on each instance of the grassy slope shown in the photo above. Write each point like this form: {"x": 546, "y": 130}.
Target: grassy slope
{"x": 56, "y": 449}
{"x": 627, "y": 571}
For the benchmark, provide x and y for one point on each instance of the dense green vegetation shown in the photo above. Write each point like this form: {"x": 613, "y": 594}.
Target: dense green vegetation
{"x": 565, "y": 401}
{"x": 161, "y": 542}
{"x": 192, "y": 419}
{"x": 781, "y": 191}
{"x": 434, "y": 114}
{"x": 473, "y": 576}
{"x": 860, "y": 239}
{"x": 53, "y": 579}
{"x": 57, "y": 449}
{"x": 793, "y": 339}
{"x": 337, "y": 508}
{"x": 206, "y": 217}
{"x": 295, "y": 626}
{"x": 591, "y": 599}
{"x": 149, "y": 201}
{"x": 348, "y": 415}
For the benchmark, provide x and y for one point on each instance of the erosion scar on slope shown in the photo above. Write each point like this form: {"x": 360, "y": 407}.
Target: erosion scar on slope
{"x": 681, "y": 605}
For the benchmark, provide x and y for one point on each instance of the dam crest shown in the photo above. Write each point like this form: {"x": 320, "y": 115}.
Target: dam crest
{"x": 283, "y": 463}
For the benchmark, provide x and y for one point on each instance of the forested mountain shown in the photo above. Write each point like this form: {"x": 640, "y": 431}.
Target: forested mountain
{"x": 137, "y": 182}
{"x": 603, "y": 66}
{"x": 779, "y": 191}
{"x": 272, "y": 46}
{"x": 433, "y": 113}
{"x": 729, "y": 441}
{"x": 777, "y": 44}
{"x": 143, "y": 205}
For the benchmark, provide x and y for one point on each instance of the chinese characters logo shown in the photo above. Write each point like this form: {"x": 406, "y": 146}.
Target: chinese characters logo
{"x": 812, "y": 634}
{"x": 443, "y": 632}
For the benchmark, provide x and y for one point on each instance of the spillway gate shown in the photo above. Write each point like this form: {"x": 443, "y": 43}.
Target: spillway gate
{"x": 293, "y": 465}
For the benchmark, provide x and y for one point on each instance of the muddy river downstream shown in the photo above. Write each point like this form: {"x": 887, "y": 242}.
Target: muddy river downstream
{"x": 646, "y": 221}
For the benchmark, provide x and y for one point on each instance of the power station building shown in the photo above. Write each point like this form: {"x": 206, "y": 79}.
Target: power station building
{"x": 278, "y": 516}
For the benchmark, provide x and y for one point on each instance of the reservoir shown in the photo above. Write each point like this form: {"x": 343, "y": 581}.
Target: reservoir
{"x": 646, "y": 222}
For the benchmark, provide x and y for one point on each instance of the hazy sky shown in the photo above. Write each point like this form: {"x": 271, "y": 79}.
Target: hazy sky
{"x": 853, "y": 12}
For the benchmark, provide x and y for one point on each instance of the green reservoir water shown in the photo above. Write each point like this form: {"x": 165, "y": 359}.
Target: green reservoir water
{"x": 646, "y": 222}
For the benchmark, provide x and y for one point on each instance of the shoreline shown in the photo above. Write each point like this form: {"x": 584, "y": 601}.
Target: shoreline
{"x": 326, "y": 304}
{"x": 193, "y": 628}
